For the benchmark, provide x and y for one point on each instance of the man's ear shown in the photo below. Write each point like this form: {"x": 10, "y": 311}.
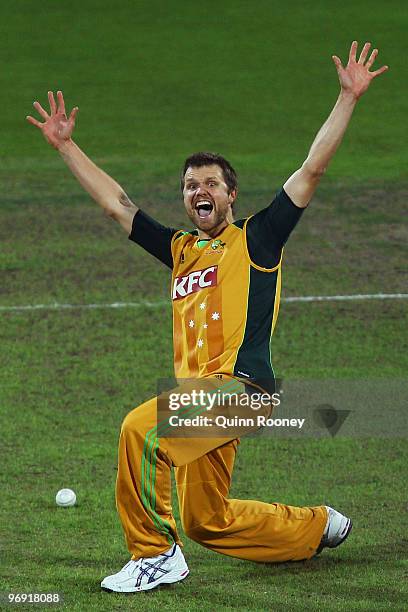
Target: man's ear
{"x": 233, "y": 195}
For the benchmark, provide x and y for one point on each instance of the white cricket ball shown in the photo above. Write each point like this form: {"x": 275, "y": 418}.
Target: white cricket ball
{"x": 65, "y": 498}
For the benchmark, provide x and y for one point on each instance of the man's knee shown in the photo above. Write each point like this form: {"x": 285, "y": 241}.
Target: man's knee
{"x": 202, "y": 529}
{"x": 201, "y": 534}
{"x": 134, "y": 423}
{"x": 194, "y": 533}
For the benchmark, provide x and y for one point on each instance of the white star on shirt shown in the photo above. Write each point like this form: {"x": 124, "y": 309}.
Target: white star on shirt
{"x": 202, "y": 305}
{"x": 191, "y": 323}
{"x": 200, "y": 343}
{"x": 205, "y": 325}
{"x": 215, "y": 316}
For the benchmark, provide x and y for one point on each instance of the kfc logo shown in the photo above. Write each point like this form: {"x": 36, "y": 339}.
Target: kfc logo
{"x": 195, "y": 281}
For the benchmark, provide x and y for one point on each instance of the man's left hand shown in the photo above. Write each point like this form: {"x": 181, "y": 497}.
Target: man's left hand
{"x": 356, "y": 76}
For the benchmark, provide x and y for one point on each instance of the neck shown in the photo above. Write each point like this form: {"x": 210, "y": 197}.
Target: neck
{"x": 213, "y": 232}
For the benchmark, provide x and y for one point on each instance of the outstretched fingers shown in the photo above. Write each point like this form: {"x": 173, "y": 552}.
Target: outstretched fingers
{"x": 40, "y": 110}
{"x": 51, "y": 100}
{"x": 34, "y": 121}
{"x": 61, "y": 102}
{"x": 353, "y": 51}
{"x": 364, "y": 53}
{"x": 371, "y": 59}
{"x": 379, "y": 71}
{"x": 73, "y": 114}
{"x": 337, "y": 62}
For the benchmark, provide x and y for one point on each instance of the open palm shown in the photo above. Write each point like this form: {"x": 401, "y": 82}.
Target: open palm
{"x": 356, "y": 76}
{"x": 57, "y": 128}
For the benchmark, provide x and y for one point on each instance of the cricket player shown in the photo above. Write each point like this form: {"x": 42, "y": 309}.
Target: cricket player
{"x": 225, "y": 294}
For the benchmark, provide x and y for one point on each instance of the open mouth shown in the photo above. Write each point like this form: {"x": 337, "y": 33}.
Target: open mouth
{"x": 204, "y": 208}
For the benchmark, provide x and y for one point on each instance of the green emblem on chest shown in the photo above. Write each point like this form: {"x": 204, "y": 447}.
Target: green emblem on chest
{"x": 217, "y": 244}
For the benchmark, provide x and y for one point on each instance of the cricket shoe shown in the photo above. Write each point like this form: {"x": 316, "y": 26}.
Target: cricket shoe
{"x": 145, "y": 574}
{"x": 337, "y": 529}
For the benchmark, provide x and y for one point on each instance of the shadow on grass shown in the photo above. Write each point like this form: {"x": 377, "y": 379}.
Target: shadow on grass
{"x": 389, "y": 555}
{"x": 386, "y": 554}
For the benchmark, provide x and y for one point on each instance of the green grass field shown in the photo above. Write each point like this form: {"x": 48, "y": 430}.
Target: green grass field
{"x": 154, "y": 82}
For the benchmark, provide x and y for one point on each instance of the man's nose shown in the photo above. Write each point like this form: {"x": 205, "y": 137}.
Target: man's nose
{"x": 200, "y": 190}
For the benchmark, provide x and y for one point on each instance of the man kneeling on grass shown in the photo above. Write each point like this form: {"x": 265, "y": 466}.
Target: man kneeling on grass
{"x": 225, "y": 292}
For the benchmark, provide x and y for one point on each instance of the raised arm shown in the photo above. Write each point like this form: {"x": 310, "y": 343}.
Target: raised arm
{"x": 354, "y": 79}
{"x": 57, "y": 130}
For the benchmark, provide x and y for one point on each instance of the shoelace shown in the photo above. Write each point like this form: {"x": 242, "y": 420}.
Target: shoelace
{"x": 132, "y": 565}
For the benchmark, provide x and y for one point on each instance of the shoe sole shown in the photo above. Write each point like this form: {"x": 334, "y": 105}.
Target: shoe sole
{"x": 170, "y": 579}
{"x": 344, "y": 538}
{"x": 346, "y": 535}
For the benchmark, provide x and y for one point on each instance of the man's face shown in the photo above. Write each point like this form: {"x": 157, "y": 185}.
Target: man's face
{"x": 206, "y": 198}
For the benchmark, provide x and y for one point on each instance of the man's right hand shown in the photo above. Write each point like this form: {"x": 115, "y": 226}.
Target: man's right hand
{"x": 57, "y": 128}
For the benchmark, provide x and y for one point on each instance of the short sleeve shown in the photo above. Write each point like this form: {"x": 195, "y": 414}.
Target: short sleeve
{"x": 153, "y": 237}
{"x": 268, "y": 230}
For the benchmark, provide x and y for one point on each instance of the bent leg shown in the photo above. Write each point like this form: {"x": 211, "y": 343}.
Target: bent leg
{"x": 143, "y": 488}
{"x": 246, "y": 529}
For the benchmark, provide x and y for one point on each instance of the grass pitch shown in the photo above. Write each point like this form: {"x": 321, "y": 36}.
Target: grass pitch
{"x": 69, "y": 377}
{"x": 155, "y": 82}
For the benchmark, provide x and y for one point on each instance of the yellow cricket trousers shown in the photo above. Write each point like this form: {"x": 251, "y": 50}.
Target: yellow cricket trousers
{"x": 246, "y": 529}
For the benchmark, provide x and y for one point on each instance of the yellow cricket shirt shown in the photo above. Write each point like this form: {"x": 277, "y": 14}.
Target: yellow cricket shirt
{"x": 225, "y": 291}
